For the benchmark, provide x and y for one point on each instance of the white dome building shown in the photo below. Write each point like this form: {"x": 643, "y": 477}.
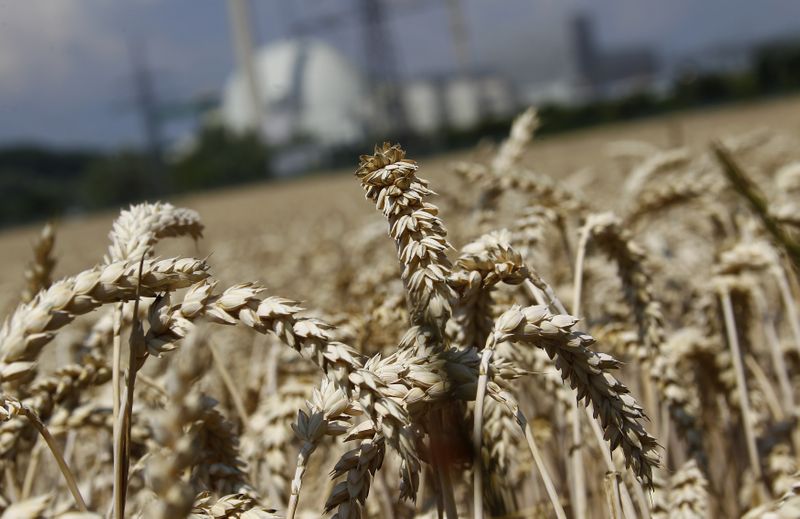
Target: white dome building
{"x": 307, "y": 88}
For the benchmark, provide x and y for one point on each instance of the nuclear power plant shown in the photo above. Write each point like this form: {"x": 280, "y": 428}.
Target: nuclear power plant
{"x": 301, "y": 89}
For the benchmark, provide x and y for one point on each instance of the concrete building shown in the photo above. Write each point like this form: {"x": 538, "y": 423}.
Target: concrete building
{"x": 309, "y": 90}
{"x": 456, "y": 102}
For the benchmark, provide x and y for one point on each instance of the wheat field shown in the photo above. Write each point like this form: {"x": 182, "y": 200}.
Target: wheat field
{"x": 602, "y": 325}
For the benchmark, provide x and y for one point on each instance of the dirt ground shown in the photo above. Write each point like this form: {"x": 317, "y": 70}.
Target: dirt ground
{"x": 249, "y": 211}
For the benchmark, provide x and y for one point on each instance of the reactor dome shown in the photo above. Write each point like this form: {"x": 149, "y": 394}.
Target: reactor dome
{"x": 307, "y": 89}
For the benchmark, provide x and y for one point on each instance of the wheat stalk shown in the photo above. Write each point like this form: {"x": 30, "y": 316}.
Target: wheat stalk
{"x": 723, "y": 289}
{"x": 133, "y": 236}
{"x": 179, "y": 447}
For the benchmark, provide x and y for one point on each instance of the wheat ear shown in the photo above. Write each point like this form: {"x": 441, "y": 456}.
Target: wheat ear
{"x": 231, "y": 506}
{"x": 588, "y": 373}
{"x": 747, "y": 189}
{"x": 669, "y": 195}
{"x": 390, "y": 181}
{"x": 329, "y": 411}
{"x": 510, "y": 152}
{"x": 308, "y": 336}
{"x": 359, "y": 465}
{"x": 134, "y": 233}
{"x": 606, "y": 232}
{"x": 33, "y": 325}
{"x": 481, "y": 266}
{"x": 688, "y": 493}
{"x": 138, "y": 228}
{"x": 508, "y": 156}
{"x": 656, "y": 163}
{"x": 38, "y": 275}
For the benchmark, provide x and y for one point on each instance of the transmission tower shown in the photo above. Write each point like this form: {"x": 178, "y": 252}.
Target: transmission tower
{"x": 382, "y": 65}
{"x": 460, "y": 34}
{"x": 242, "y": 32}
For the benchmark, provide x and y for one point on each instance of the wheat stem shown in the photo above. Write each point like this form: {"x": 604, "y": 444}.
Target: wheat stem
{"x": 612, "y": 493}
{"x": 576, "y": 460}
{"x": 297, "y": 481}
{"x": 477, "y": 430}
{"x": 788, "y": 302}
{"x": 775, "y": 351}
{"x": 747, "y": 419}
{"x": 230, "y": 385}
{"x": 628, "y": 510}
{"x": 544, "y": 473}
{"x": 642, "y": 500}
{"x": 771, "y": 397}
{"x": 116, "y": 363}
{"x": 62, "y": 465}
{"x": 578, "y": 495}
{"x": 12, "y": 486}
{"x": 442, "y": 471}
{"x": 31, "y": 471}
{"x": 122, "y": 429}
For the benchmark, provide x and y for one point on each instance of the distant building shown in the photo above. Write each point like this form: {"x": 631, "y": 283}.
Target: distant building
{"x": 313, "y": 98}
{"x": 733, "y": 57}
{"x": 309, "y": 91}
{"x": 458, "y": 102}
{"x": 424, "y": 105}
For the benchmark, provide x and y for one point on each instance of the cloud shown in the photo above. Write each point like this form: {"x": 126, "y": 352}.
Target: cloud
{"x": 43, "y": 42}
{"x": 66, "y": 66}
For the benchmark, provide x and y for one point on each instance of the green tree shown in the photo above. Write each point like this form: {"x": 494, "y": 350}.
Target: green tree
{"x": 118, "y": 179}
{"x": 221, "y": 157}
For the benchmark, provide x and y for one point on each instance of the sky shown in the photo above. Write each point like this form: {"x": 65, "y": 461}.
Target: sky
{"x": 66, "y": 65}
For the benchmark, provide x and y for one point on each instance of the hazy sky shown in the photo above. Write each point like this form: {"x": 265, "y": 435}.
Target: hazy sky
{"x": 65, "y": 65}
